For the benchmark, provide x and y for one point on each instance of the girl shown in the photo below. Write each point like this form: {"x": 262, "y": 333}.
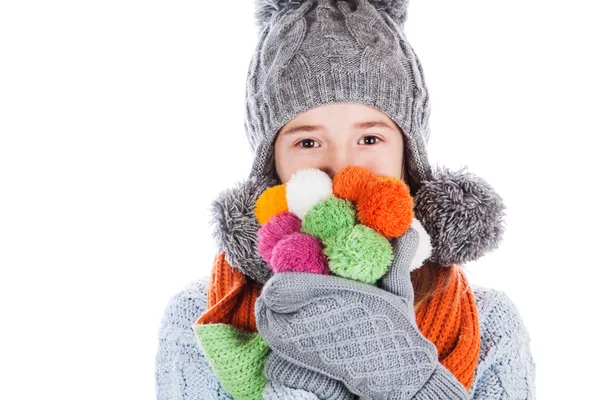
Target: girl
{"x": 335, "y": 84}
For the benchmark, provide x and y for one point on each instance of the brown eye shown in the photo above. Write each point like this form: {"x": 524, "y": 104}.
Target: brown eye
{"x": 369, "y": 140}
{"x": 308, "y": 143}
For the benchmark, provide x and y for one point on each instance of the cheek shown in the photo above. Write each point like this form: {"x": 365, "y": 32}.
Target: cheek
{"x": 384, "y": 162}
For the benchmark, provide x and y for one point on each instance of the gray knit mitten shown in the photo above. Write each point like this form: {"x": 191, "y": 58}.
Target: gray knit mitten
{"x": 282, "y": 372}
{"x": 278, "y": 369}
{"x": 356, "y": 333}
{"x": 276, "y": 391}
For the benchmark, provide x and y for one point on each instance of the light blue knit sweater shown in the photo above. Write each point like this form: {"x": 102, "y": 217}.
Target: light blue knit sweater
{"x": 506, "y": 369}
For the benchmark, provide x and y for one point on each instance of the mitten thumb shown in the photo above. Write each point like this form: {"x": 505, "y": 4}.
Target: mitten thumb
{"x": 397, "y": 279}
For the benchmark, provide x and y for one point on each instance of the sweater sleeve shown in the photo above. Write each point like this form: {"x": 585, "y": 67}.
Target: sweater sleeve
{"x": 506, "y": 368}
{"x": 181, "y": 370}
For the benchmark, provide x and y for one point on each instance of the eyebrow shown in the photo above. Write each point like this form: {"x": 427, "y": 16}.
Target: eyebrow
{"x": 358, "y": 125}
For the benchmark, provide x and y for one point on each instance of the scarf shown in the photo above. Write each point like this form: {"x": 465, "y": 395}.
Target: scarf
{"x": 449, "y": 319}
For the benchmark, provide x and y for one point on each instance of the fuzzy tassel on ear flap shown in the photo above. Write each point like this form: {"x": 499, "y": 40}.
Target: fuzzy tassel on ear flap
{"x": 463, "y": 215}
{"x": 236, "y": 226}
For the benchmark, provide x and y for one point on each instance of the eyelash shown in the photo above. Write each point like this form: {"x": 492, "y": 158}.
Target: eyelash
{"x": 299, "y": 143}
{"x": 376, "y": 137}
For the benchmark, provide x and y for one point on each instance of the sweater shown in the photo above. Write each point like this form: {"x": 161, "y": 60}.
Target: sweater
{"x": 505, "y": 369}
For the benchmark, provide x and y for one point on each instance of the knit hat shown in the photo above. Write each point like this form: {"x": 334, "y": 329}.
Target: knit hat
{"x": 316, "y": 52}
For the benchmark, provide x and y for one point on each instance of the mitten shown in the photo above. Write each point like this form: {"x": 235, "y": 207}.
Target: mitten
{"x": 288, "y": 374}
{"x": 356, "y": 333}
{"x": 276, "y": 391}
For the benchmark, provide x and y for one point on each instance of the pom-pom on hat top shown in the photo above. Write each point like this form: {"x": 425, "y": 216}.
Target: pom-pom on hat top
{"x": 265, "y": 9}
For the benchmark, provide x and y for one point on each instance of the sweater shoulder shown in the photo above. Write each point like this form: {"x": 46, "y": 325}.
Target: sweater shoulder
{"x": 185, "y": 306}
{"x": 506, "y": 367}
{"x": 182, "y": 370}
{"x": 499, "y": 316}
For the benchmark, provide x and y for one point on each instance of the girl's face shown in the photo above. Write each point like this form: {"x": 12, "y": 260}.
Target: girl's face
{"x": 333, "y": 136}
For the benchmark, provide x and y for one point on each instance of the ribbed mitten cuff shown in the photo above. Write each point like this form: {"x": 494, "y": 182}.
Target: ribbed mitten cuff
{"x": 275, "y": 391}
{"x": 442, "y": 385}
{"x": 290, "y": 375}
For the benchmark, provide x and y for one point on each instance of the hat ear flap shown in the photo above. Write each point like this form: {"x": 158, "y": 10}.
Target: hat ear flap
{"x": 235, "y": 227}
{"x": 463, "y": 215}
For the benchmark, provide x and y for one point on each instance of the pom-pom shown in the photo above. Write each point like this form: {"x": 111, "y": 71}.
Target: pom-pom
{"x": 271, "y": 202}
{"x": 423, "y": 248}
{"x": 266, "y": 9}
{"x": 463, "y": 215}
{"x": 360, "y": 254}
{"x": 299, "y": 252}
{"x": 306, "y": 188}
{"x": 329, "y": 217}
{"x": 235, "y": 227}
{"x": 386, "y": 206}
{"x": 350, "y": 182}
{"x": 274, "y": 230}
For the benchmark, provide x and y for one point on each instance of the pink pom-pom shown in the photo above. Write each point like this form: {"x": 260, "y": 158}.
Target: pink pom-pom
{"x": 299, "y": 252}
{"x": 274, "y": 230}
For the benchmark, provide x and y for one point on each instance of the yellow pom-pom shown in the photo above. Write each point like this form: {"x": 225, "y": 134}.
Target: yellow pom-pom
{"x": 270, "y": 203}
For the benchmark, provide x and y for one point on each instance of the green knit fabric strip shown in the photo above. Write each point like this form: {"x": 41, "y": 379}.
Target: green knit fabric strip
{"x": 236, "y": 357}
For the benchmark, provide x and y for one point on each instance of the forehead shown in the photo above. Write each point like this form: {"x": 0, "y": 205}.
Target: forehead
{"x": 339, "y": 115}
{"x": 347, "y": 110}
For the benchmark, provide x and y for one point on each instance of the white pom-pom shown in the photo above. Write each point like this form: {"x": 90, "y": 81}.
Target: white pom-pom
{"x": 424, "y": 248}
{"x": 306, "y": 188}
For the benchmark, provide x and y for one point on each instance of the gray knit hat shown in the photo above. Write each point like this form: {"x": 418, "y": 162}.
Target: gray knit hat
{"x": 315, "y": 52}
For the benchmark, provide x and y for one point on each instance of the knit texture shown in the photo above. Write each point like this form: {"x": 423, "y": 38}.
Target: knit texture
{"x": 287, "y": 374}
{"x": 316, "y": 52}
{"x": 236, "y": 357}
{"x": 231, "y": 297}
{"x": 355, "y": 333}
{"x": 455, "y": 333}
{"x": 505, "y": 368}
{"x": 450, "y": 321}
{"x": 275, "y": 391}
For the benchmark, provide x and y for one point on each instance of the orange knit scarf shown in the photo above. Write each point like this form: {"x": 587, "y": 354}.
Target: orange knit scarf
{"x": 448, "y": 319}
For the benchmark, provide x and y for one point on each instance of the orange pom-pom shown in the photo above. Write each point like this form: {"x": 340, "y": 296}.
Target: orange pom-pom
{"x": 350, "y": 182}
{"x": 387, "y": 207}
{"x": 387, "y": 178}
{"x": 271, "y": 202}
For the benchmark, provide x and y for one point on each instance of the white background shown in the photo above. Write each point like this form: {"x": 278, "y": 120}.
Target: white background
{"x": 120, "y": 121}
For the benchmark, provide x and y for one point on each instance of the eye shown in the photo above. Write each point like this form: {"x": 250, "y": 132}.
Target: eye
{"x": 308, "y": 143}
{"x": 369, "y": 140}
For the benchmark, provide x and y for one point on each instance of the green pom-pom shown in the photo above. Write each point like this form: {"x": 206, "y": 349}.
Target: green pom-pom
{"x": 330, "y": 216}
{"x": 359, "y": 253}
